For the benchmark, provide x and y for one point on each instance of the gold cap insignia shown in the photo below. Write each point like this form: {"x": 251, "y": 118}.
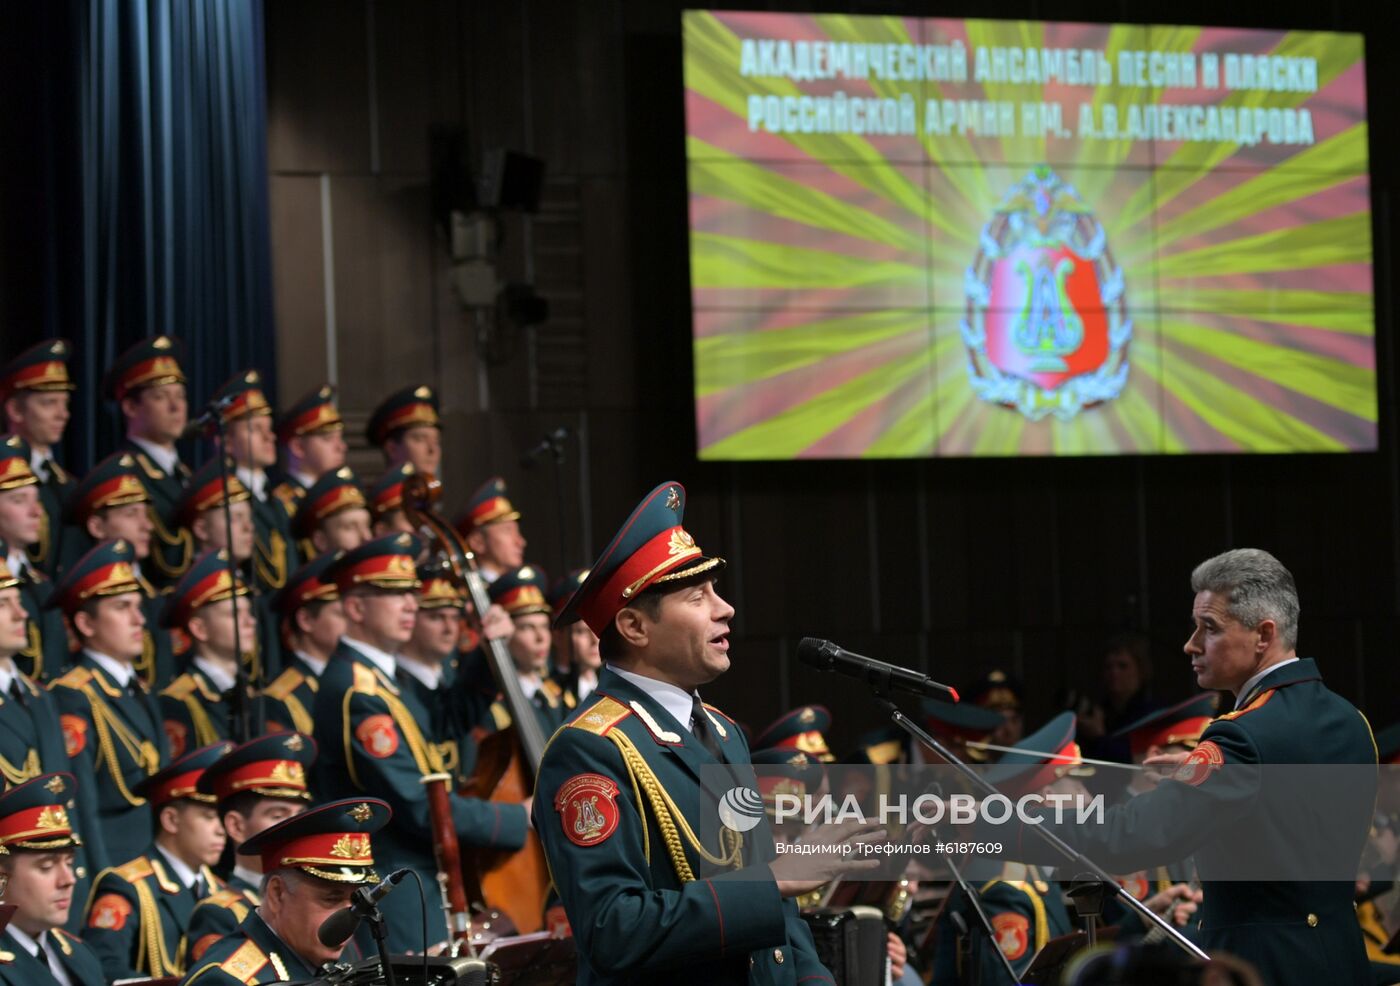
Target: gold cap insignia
{"x": 326, "y": 392}
{"x": 126, "y": 462}
{"x": 673, "y": 499}
{"x": 424, "y": 392}
{"x": 344, "y": 473}
{"x": 51, "y": 818}
{"x": 352, "y": 846}
{"x": 55, "y": 785}
{"x": 527, "y": 572}
{"x": 251, "y": 376}
{"x": 294, "y": 743}
{"x": 807, "y": 716}
{"x": 161, "y": 342}
{"x": 361, "y": 812}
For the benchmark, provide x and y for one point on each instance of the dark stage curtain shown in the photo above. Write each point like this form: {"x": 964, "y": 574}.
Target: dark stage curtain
{"x": 154, "y": 179}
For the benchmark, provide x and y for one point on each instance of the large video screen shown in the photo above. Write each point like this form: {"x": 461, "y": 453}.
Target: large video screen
{"x": 916, "y": 237}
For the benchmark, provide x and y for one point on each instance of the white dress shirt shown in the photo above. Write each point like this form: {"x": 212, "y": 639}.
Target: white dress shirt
{"x": 218, "y": 677}
{"x": 167, "y": 458}
{"x": 674, "y": 699}
{"x": 1249, "y": 685}
{"x": 182, "y": 872}
{"x": 31, "y": 946}
{"x": 120, "y": 672}
{"x": 429, "y": 674}
{"x": 381, "y": 659}
{"x": 255, "y": 480}
{"x": 8, "y": 672}
{"x": 317, "y": 666}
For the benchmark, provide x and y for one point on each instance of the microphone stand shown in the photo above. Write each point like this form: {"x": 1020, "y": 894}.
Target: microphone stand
{"x": 364, "y": 906}
{"x": 975, "y": 899}
{"x": 241, "y": 712}
{"x": 1071, "y": 854}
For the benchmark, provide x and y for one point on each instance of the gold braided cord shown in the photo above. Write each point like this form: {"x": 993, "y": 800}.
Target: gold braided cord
{"x": 182, "y": 538}
{"x": 670, "y": 819}
{"x": 34, "y": 649}
{"x": 30, "y": 769}
{"x": 301, "y": 720}
{"x": 153, "y": 937}
{"x": 104, "y": 723}
{"x": 425, "y": 755}
{"x": 271, "y": 561}
{"x": 204, "y": 731}
{"x": 145, "y": 665}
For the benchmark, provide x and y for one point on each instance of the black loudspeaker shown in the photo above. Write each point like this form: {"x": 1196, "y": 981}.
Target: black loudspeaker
{"x": 511, "y": 180}
{"x": 451, "y": 186}
{"x": 851, "y": 943}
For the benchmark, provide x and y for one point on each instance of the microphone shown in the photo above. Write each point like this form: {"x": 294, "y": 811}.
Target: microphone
{"x": 826, "y": 656}
{"x": 199, "y": 424}
{"x": 549, "y": 443}
{"x": 337, "y": 929}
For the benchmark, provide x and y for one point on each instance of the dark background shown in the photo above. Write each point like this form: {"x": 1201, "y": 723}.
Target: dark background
{"x": 955, "y": 566}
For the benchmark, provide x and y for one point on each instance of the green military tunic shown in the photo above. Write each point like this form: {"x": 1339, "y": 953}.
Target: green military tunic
{"x": 31, "y": 743}
{"x": 1295, "y": 933}
{"x": 56, "y": 544}
{"x": 46, "y": 655}
{"x": 172, "y": 547}
{"x": 288, "y": 700}
{"x": 137, "y": 917}
{"x": 219, "y": 915}
{"x": 114, "y": 734}
{"x": 1025, "y": 911}
{"x": 645, "y": 901}
{"x": 370, "y": 740}
{"x": 25, "y": 969}
{"x": 252, "y": 954}
{"x": 194, "y": 713}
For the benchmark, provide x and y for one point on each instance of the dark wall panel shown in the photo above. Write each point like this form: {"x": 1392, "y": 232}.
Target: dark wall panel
{"x": 954, "y": 566}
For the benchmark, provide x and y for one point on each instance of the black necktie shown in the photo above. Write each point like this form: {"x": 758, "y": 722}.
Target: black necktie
{"x": 200, "y": 890}
{"x": 700, "y": 726}
{"x": 17, "y": 692}
{"x": 42, "y": 954}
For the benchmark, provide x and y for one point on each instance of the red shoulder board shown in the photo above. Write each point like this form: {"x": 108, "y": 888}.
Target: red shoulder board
{"x": 109, "y": 912}
{"x": 1203, "y": 761}
{"x": 74, "y": 733}
{"x": 378, "y": 735}
{"x": 1013, "y": 933}
{"x": 587, "y": 807}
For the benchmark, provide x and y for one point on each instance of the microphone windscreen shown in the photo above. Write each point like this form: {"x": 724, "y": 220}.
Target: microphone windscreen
{"x": 814, "y": 652}
{"x": 337, "y": 929}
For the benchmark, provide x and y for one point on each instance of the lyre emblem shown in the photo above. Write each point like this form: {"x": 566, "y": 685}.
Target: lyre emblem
{"x": 589, "y": 822}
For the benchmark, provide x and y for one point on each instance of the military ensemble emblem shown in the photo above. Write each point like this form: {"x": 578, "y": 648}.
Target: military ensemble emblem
{"x": 1046, "y": 324}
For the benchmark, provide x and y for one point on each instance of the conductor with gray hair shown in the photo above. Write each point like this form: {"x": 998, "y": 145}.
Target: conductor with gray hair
{"x": 1276, "y": 852}
{"x": 1246, "y": 621}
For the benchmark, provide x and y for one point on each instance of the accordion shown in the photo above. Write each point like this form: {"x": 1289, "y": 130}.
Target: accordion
{"x": 851, "y": 943}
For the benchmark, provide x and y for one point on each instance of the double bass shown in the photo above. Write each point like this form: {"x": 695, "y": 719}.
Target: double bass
{"x": 514, "y": 883}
